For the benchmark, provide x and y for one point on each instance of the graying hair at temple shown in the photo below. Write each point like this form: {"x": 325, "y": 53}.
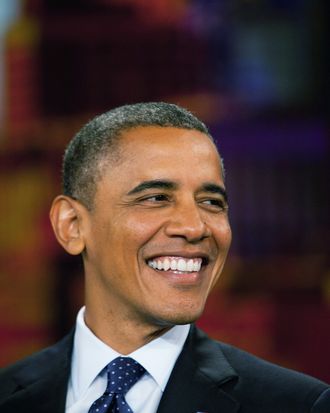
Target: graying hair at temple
{"x": 98, "y": 141}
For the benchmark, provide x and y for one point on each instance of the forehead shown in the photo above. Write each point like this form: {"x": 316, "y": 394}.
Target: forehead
{"x": 149, "y": 152}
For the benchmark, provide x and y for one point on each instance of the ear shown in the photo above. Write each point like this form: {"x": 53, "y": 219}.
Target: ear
{"x": 66, "y": 218}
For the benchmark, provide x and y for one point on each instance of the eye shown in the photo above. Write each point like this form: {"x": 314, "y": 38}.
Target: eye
{"x": 215, "y": 204}
{"x": 154, "y": 200}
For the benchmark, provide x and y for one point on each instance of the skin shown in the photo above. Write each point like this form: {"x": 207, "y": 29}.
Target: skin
{"x": 166, "y": 197}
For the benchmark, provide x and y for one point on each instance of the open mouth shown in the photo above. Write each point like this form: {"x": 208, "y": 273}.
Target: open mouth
{"x": 177, "y": 264}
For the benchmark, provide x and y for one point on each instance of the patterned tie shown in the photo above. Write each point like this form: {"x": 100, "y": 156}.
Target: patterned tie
{"x": 123, "y": 373}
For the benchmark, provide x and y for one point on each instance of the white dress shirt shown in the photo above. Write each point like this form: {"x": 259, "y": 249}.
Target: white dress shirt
{"x": 88, "y": 378}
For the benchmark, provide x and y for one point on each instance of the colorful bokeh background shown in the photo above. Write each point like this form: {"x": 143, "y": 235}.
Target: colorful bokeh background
{"x": 256, "y": 72}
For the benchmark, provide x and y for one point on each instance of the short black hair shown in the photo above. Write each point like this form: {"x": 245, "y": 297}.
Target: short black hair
{"x": 97, "y": 140}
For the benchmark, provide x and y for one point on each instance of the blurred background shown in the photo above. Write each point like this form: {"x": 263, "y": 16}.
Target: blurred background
{"x": 256, "y": 72}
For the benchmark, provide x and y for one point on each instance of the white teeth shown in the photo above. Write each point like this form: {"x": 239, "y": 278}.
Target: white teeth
{"x": 167, "y": 264}
{"x": 197, "y": 266}
{"x": 176, "y": 264}
{"x": 182, "y": 265}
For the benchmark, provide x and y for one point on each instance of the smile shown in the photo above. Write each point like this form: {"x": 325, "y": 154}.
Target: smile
{"x": 181, "y": 264}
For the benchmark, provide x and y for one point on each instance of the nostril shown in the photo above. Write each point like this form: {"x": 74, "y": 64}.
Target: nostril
{"x": 187, "y": 225}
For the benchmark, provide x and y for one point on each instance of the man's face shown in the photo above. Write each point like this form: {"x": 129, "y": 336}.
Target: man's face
{"x": 158, "y": 235}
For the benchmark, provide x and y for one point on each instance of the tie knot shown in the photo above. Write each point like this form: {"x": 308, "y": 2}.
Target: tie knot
{"x": 123, "y": 373}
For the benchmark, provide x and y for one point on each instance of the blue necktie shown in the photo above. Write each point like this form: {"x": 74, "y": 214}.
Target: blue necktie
{"x": 123, "y": 373}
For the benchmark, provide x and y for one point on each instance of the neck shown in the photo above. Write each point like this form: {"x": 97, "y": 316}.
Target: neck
{"x": 123, "y": 336}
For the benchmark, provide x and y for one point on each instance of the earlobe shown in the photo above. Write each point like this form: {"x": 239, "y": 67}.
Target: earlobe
{"x": 67, "y": 224}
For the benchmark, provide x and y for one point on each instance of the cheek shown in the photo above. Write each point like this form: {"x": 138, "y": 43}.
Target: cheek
{"x": 138, "y": 230}
{"x": 223, "y": 235}
{"x": 228, "y": 234}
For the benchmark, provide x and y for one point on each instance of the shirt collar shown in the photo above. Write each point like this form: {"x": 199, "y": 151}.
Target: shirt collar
{"x": 91, "y": 355}
{"x": 159, "y": 356}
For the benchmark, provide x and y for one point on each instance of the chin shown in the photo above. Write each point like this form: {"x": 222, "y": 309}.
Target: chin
{"x": 179, "y": 317}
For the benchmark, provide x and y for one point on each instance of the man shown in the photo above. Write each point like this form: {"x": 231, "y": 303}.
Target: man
{"x": 145, "y": 205}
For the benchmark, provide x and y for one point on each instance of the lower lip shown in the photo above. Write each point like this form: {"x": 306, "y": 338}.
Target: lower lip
{"x": 178, "y": 277}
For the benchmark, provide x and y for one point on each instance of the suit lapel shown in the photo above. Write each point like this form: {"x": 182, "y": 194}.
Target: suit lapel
{"x": 197, "y": 383}
{"x": 42, "y": 387}
{"x": 199, "y": 378}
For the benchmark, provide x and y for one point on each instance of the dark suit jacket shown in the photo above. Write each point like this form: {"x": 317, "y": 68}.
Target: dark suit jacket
{"x": 209, "y": 377}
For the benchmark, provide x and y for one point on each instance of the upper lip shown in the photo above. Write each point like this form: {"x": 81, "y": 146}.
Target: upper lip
{"x": 184, "y": 254}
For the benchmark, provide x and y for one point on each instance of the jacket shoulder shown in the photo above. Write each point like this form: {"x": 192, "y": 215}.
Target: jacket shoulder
{"x": 31, "y": 368}
{"x": 263, "y": 383}
{"x": 256, "y": 384}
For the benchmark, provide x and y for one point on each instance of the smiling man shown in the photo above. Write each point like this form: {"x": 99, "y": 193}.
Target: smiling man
{"x": 144, "y": 202}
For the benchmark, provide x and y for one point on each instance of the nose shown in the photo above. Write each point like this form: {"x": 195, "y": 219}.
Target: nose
{"x": 186, "y": 222}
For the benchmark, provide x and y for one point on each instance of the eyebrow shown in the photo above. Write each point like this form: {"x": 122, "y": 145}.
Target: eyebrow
{"x": 169, "y": 185}
{"x": 215, "y": 189}
{"x": 153, "y": 184}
